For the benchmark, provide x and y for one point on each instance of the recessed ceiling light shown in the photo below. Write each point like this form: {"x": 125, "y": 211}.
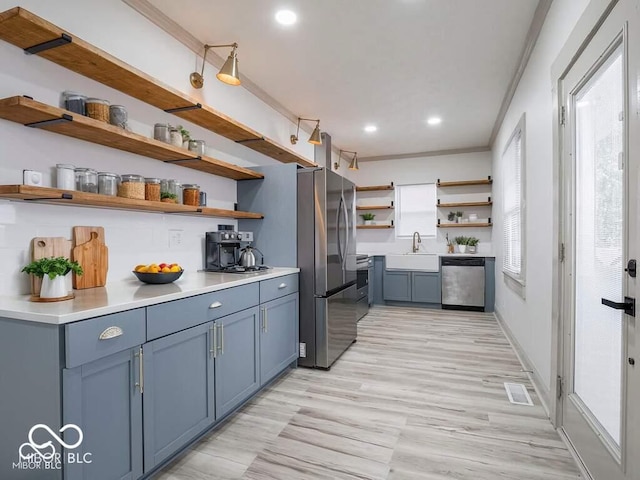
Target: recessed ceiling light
{"x": 370, "y": 128}
{"x": 434, "y": 121}
{"x": 286, "y": 17}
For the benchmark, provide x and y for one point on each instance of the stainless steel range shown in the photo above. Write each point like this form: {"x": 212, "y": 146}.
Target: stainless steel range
{"x": 362, "y": 284}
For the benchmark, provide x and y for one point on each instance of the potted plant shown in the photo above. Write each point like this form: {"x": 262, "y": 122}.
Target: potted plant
{"x": 472, "y": 244}
{"x": 167, "y": 197}
{"x": 186, "y": 136}
{"x": 462, "y": 244}
{"x": 53, "y": 271}
{"x": 368, "y": 218}
{"x": 451, "y": 216}
{"x": 459, "y": 216}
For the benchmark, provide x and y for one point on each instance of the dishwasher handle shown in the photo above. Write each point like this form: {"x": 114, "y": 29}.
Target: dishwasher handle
{"x": 462, "y": 261}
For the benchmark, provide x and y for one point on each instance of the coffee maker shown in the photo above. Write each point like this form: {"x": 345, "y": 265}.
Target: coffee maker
{"x": 222, "y": 250}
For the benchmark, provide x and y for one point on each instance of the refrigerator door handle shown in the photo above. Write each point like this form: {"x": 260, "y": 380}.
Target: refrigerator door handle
{"x": 338, "y": 232}
{"x": 346, "y": 237}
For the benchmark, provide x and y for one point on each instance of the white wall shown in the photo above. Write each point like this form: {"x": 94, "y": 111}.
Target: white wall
{"x": 132, "y": 237}
{"x": 530, "y": 320}
{"x": 467, "y": 166}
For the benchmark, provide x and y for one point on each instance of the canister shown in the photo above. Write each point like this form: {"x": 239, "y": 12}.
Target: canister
{"x": 98, "y": 109}
{"x": 197, "y": 146}
{"x": 152, "y": 189}
{"x": 132, "y": 186}
{"x": 191, "y": 194}
{"x": 108, "y": 183}
{"x": 86, "y": 180}
{"x": 161, "y": 132}
{"x": 65, "y": 176}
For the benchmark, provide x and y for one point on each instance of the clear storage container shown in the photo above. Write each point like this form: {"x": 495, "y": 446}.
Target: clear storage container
{"x": 65, "y": 176}
{"x": 98, "y": 109}
{"x": 152, "y": 189}
{"x": 131, "y": 186}
{"x": 191, "y": 194}
{"x": 74, "y": 102}
{"x": 118, "y": 116}
{"x": 161, "y": 132}
{"x": 108, "y": 183}
{"x": 197, "y": 146}
{"x": 86, "y": 180}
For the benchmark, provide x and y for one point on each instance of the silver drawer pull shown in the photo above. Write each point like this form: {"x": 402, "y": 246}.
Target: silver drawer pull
{"x": 281, "y": 286}
{"x": 110, "y": 332}
{"x": 215, "y": 305}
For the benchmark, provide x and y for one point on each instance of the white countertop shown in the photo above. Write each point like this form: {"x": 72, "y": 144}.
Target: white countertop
{"x": 479, "y": 254}
{"x": 126, "y": 295}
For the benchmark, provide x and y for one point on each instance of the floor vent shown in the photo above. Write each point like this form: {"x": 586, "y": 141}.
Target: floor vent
{"x": 518, "y": 394}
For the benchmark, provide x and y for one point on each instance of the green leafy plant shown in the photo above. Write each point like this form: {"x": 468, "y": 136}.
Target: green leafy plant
{"x": 461, "y": 240}
{"x": 451, "y": 216}
{"x": 473, "y": 241}
{"x": 53, "y": 267}
{"x": 167, "y": 195}
{"x": 186, "y": 136}
{"x": 459, "y": 214}
{"x": 368, "y": 216}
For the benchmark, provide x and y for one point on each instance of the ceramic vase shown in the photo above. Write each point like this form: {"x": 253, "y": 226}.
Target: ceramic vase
{"x": 54, "y": 288}
{"x": 462, "y": 248}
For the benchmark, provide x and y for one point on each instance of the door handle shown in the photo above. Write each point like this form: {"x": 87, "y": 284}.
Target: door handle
{"x": 631, "y": 268}
{"x": 629, "y": 305}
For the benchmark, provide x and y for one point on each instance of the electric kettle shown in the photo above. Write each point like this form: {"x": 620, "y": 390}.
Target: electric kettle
{"x": 247, "y": 258}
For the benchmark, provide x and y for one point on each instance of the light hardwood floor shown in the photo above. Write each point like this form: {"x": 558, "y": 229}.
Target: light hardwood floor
{"x": 419, "y": 396}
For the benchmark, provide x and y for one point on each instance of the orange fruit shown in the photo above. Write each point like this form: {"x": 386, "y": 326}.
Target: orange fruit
{"x": 166, "y": 270}
{"x": 153, "y": 269}
{"x": 175, "y": 268}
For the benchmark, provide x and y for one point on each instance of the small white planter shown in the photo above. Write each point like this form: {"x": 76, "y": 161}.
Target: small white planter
{"x": 462, "y": 248}
{"x": 472, "y": 249}
{"x": 368, "y": 222}
{"x": 56, "y": 288}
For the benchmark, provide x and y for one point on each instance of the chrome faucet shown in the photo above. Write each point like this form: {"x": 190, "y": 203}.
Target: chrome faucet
{"x": 416, "y": 247}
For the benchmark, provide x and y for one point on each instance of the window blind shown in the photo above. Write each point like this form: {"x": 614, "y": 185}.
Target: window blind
{"x": 512, "y": 207}
{"x": 416, "y": 210}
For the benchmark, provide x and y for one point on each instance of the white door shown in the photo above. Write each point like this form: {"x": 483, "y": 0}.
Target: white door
{"x": 599, "y": 172}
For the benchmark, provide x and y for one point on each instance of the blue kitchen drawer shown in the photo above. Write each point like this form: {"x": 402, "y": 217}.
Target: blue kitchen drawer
{"x": 278, "y": 287}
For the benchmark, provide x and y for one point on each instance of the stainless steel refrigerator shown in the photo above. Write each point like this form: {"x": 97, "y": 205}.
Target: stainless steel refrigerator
{"x": 327, "y": 261}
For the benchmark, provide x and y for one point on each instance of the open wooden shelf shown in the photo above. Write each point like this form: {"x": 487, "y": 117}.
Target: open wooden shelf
{"x": 373, "y": 227}
{"x": 465, "y": 204}
{"x": 39, "y": 115}
{"x": 75, "y": 198}
{"x": 465, "y": 183}
{"x": 464, "y": 225}
{"x": 375, "y": 207}
{"x": 38, "y": 36}
{"x": 375, "y": 188}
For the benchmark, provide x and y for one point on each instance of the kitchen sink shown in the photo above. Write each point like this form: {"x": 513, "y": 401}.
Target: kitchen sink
{"x": 423, "y": 262}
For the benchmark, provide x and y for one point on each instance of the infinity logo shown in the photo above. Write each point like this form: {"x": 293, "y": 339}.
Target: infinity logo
{"x": 39, "y": 449}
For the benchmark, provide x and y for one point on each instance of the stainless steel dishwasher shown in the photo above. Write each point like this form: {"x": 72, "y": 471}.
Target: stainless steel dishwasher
{"x": 463, "y": 283}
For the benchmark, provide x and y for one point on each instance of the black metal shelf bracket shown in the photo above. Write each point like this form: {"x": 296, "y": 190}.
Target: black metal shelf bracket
{"x": 64, "y": 196}
{"x": 183, "y": 160}
{"x": 45, "y": 123}
{"x": 251, "y": 140}
{"x": 62, "y": 40}
{"x": 184, "y": 109}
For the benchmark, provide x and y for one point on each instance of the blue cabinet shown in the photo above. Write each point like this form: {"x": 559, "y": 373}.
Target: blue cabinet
{"x": 103, "y": 398}
{"x": 378, "y": 279}
{"x": 425, "y": 287}
{"x": 397, "y": 286}
{"x": 278, "y": 336}
{"x": 237, "y": 361}
{"x": 178, "y": 398}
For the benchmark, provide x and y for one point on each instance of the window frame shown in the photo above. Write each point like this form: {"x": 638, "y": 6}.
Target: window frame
{"x": 398, "y": 209}
{"x": 516, "y": 280}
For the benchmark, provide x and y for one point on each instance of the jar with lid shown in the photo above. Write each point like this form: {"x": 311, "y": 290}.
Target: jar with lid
{"x": 65, "y": 177}
{"x": 175, "y": 136}
{"x": 165, "y": 192}
{"x": 86, "y": 180}
{"x": 175, "y": 188}
{"x": 197, "y": 146}
{"x": 161, "y": 132}
{"x": 98, "y": 109}
{"x": 108, "y": 183}
{"x": 152, "y": 189}
{"x": 191, "y": 194}
{"x": 118, "y": 116}
{"x": 132, "y": 186}
{"x": 74, "y": 102}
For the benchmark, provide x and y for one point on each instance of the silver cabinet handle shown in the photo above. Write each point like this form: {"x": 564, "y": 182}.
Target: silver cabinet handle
{"x": 212, "y": 339}
{"x": 266, "y": 320}
{"x": 140, "y": 383}
{"x": 282, "y": 285}
{"x": 110, "y": 332}
{"x": 222, "y": 339}
{"x": 215, "y": 305}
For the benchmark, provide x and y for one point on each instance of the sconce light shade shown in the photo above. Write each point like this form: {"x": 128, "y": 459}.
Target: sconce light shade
{"x": 354, "y": 163}
{"x": 315, "y": 137}
{"x": 229, "y": 72}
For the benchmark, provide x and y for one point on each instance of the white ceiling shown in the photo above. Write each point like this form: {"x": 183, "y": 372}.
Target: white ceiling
{"x": 392, "y": 63}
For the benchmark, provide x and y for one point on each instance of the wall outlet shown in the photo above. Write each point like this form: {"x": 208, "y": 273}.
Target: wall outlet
{"x": 32, "y": 177}
{"x": 246, "y": 236}
{"x": 303, "y": 350}
{"x": 175, "y": 238}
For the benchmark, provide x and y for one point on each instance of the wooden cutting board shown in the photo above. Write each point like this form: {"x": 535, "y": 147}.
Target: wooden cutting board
{"x": 93, "y": 257}
{"x": 83, "y": 235}
{"x": 45, "y": 247}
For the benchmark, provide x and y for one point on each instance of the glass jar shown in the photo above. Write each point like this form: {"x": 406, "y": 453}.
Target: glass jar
{"x": 97, "y": 109}
{"x": 191, "y": 194}
{"x": 197, "y": 146}
{"x": 132, "y": 186}
{"x": 108, "y": 183}
{"x": 152, "y": 189}
{"x": 161, "y": 132}
{"x": 65, "y": 177}
{"x": 175, "y": 188}
{"x": 74, "y": 102}
{"x": 175, "y": 137}
{"x": 86, "y": 180}
{"x": 118, "y": 116}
